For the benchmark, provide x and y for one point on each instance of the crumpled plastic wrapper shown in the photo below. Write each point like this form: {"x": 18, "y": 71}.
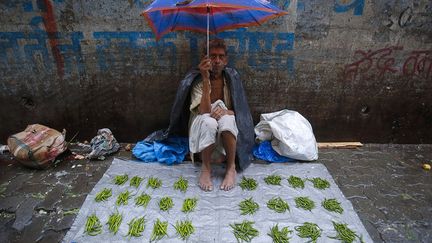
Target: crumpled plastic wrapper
{"x": 215, "y": 210}
{"x": 103, "y": 144}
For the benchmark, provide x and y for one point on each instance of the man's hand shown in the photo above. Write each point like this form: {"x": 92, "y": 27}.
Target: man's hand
{"x": 205, "y": 68}
{"x": 218, "y": 113}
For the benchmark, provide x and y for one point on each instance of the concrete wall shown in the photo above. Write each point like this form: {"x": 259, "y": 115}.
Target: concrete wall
{"x": 356, "y": 69}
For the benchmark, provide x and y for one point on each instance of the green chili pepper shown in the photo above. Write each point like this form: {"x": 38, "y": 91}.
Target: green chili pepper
{"x": 159, "y": 230}
{"x": 93, "y": 226}
{"x": 136, "y": 181}
{"x": 244, "y": 231}
{"x": 123, "y": 198}
{"x": 184, "y": 229}
{"x": 273, "y": 180}
{"x": 332, "y": 205}
{"x": 181, "y": 184}
{"x": 296, "y": 182}
{"x": 278, "y": 205}
{"x": 320, "y": 183}
{"x": 136, "y": 227}
{"x": 309, "y": 230}
{"x": 189, "y": 205}
{"x": 248, "y": 206}
{"x": 154, "y": 182}
{"x": 166, "y": 203}
{"x": 143, "y": 200}
{"x": 280, "y": 236}
{"x": 103, "y": 195}
{"x": 114, "y": 222}
{"x": 121, "y": 179}
{"x": 344, "y": 233}
{"x": 248, "y": 184}
{"x": 305, "y": 203}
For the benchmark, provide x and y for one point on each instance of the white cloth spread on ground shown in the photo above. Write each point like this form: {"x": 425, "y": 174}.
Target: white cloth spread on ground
{"x": 215, "y": 210}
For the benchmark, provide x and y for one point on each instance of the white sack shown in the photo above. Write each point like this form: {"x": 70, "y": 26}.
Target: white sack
{"x": 290, "y": 133}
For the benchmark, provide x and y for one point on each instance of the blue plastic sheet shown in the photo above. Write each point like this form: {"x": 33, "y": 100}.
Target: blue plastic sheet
{"x": 264, "y": 151}
{"x": 169, "y": 151}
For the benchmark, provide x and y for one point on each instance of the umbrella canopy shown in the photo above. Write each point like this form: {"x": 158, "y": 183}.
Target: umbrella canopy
{"x": 211, "y": 16}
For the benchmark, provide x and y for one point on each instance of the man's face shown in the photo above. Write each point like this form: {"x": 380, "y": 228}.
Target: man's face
{"x": 218, "y": 59}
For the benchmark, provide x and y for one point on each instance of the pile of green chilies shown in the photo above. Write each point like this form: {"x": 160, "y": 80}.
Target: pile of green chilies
{"x": 296, "y": 182}
{"x": 143, "y": 200}
{"x": 248, "y": 206}
{"x": 184, "y": 229}
{"x": 121, "y": 179}
{"x": 181, "y": 184}
{"x": 305, "y": 203}
{"x": 248, "y": 184}
{"x": 103, "y": 195}
{"x": 244, "y": 231}
{"x": 332, "y": 205}
{"x": 136, "y": 181}
{"x": 189, "y": 205}
{"x": 344, "y": 233}
{"x": 136, "y": 227}
{"x": 279, "y": 236}
{"x": 123, "y": 198}
{"x": 93, "y": 226}
{"x": 159, "y": 230}
{"x": 166, "y": 203}
{"x": 309, "y": 230}
{"x": 320, "y": 183}
{"x": 273, "y": 180}
{"x": 278, "y": 205}
{"x": 154, "y": 182}
{"x": 114, "y": 222}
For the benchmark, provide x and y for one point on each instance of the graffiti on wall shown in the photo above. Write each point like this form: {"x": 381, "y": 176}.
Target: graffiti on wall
{"x": 261, "y": 50}
{"x": 37, "y": 50}
{"x": 375, "y": 64}
{"x": 44, "y": 49}
{"x": 130, "y": 46}
{"x": 342, "y": 6}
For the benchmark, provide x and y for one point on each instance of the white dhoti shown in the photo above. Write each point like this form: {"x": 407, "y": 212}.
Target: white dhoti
{"x": 206, "y": 131}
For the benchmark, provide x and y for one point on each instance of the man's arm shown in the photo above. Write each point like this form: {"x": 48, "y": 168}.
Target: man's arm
{"x": 205, "y": 105}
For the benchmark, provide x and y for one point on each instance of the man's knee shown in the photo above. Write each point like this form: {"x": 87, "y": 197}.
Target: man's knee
{"x": 228, "y": 124}
{"x": 210, "y": 123}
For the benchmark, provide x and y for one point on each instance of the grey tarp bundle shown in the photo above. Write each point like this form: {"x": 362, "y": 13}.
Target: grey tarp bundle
{"x": 217, "y": 209}
{"x": 179, "y": 118}
{"x": 104, "y": 143}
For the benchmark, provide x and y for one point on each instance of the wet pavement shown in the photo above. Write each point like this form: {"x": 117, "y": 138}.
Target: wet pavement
{"x": 386, "y": 184}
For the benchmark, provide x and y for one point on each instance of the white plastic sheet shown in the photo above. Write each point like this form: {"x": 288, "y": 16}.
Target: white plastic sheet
{"x": 217, "y": 209}
{"x": 290, "y": 133}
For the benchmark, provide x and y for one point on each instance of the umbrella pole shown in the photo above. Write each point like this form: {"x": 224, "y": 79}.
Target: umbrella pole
{"x": 208, "y": 24}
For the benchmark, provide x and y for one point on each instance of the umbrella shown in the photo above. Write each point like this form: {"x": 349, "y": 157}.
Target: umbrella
{"x": 207, "y": 16}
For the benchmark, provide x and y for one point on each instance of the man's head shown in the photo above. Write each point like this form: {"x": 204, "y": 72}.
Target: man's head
{"x": 218, "y": 55}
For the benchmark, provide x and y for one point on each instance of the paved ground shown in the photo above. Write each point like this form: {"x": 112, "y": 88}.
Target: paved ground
{"x": 386, "y": 184}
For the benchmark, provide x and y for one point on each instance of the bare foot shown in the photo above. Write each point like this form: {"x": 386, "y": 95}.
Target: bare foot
{"x": 229, "y": 180}
{"x": 205, "y": 181}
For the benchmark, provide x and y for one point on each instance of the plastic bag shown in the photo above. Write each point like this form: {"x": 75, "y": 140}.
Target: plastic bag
{"x": 290, "y": 133}
{"x": 169, "y": 151}
{"x": 264, "y": 151}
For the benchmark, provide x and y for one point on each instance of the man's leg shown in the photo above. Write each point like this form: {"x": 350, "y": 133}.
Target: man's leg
{"x": 229, "y": 142}
{"x": 205, "y": 178}
{"x": 205, "y": 135}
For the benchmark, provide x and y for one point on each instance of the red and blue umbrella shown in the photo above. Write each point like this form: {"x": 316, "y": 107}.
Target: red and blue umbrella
{"x": 207, "y": 16}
